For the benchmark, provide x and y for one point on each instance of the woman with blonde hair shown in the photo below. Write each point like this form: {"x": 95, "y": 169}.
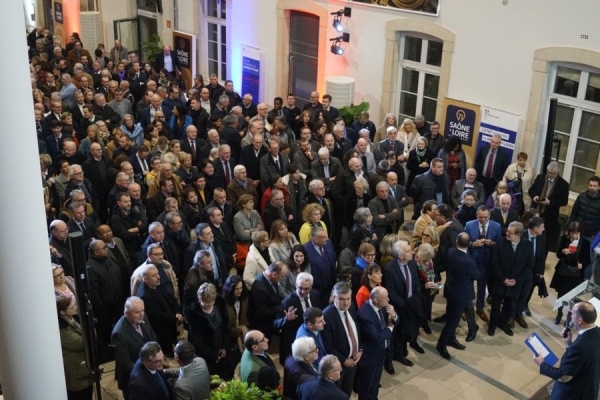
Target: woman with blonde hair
{"x": 493, "y": 200}
{"x": 521, "y": 175}
{"x": 258, "y": 258}
{"x": 425, "y": 265}
{"x": 311, "y": 214}
{"x": 93, "y": 136}
{"x": 385, "y": 248}
{"x": 282, "y": 241}
{"x": 389, "y": 120}
{"x": 407, "y": 134}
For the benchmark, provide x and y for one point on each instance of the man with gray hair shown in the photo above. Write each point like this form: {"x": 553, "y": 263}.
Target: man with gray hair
{"x": 230, "y": 134}
{"x": 401, "y": 279}
{"x": 324, "y": 387}
{"x": 67, "y": 91}
{"x": 326, "y": 168}
{"x": 341, "y": 334}
{"x": 491, "y": 161}
{"x": 239, "y": 186}
{"x": 130, "y": 333}
{"x": 385, "y": 210}
{"x": 222, "y": 108}
{"x": 298, "y": 367}
{"x": 148, "y": 380}
{"x": 549, "y": 193}
{"x": 365, "y": 154}
{"x": 322, "y": 260}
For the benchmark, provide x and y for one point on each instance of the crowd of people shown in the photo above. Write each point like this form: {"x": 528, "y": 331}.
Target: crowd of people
{"x": 204, "y": 212}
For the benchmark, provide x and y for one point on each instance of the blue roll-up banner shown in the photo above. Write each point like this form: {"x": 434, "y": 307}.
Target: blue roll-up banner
{"x": 251, "y": 75}
{"x": 495, "y": 121}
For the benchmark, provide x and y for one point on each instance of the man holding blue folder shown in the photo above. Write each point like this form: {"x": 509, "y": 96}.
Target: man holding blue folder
{"x": 578, "y": 376}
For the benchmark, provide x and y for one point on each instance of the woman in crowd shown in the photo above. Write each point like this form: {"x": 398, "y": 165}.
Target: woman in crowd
{"x": 454, "y": 158}
{"x": 466, "y": 212}
{"x": 236, "y": 300}
{"x": 305, "y": 120}
{"x": 396, "y": 166}
{"x": 163, "y": 128}
{"x": 366, "y": 257}
{"x": 212, "y": 180}
{"x": 297, "y": 263}
{"x": 63, "y": 285}
{"x": 426, "y": 219}
{"x": 186, "y": 171}
{"x": 347, "y": 257}
{"x": 311, "y": 215}
{"x": 370, "y": 279}
{"x": 69, "y": 127}
{"x": 88, "y": 97}
{"x": 179, "y": 122}
{"x": 295, "y": 181}
{"x": 274, "y": 182}
{"x": 363, "y": 219}
{"x": 282, "y": 241}
{"x": 191, "y": 208}
{"x": 418, "y": 161}
{"x": 164, "y": 78}
{"x": 77, "y": 373}
{"x": 424, "y": 258}
{"x": 133, "y": 130}
{"x": 385, "y": 248}
{"x": 258, "y": 258}
{"x": 93, "y": 136}
{"x": 408, "y": 135}
{"x": 320, "y": 131}
{"x": 38, "y": 98}
{"x": 150, "y": 73}
{"x": 355, "y": 200}
{"x": 61, "y": 180}
{"x": 349, "y": 154}
{"x": 204, "y": 195}
{"x": 208, "y": 321}
{"x": 381, "y": 134}
{"x": 154, "y": 172}
{"x": 521, "y": 175}
{"x": 494, "y": 199}
{"x": 573, "y": 258}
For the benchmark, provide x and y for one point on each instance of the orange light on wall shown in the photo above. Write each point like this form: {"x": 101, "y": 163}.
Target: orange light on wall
{"x": 66, "y": 18}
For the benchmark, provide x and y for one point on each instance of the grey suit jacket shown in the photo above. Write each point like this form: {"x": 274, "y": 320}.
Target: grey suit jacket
{"x": 267, "y": 167}
{"x": 317, "y": 171}
{"x": 371, "y": 165}
{"x": 193, "y": 380}
{"x": 391, "y": 218}
{"x": 458, "y": 189}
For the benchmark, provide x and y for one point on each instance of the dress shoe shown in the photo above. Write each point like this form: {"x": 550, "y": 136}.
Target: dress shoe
{"x": 454, "y": 343}
{"x": 472, "y": 334}
{"x": 527, "y": 312}
{"x": 506, "y": 330}
{"x": 464, "y": 317}
{"x": 481, "y": 314}
{"x": 417, "y": 348}
{"x": 521, "y": 321}
{"x": 491, "y": 331}
{"x": 404, "y": 361}
{"x": 426, "y": 329}
{"x": 389, "y": 367}
{"x": 443, "y": 352}
{"x": 557, "y": 319}
{"x": 489, "y": 299}
{"x": 511, "y": 323}
{"x": 440, "y": 319}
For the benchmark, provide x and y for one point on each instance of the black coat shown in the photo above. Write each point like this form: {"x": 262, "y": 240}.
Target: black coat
{"x": 461, "y": 271}
{"x": 265, "y": 304}
{"x": 509, "y": 264}
{"x": 334, "y": 336}
{"x": 144, "y": 386}
{"x": 161, "y": 309}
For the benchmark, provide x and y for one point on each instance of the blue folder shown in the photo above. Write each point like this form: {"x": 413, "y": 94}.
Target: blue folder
{"x": 537, "y": 345}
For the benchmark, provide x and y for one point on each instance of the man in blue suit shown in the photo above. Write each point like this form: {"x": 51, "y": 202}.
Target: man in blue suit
{"x": 578, "y": 376}
{"x": 321, "y": 257}
{"x": 147, "y": 380}
{"x": 324, "y": 386}
{"x": 376, "y": 319}
{"x": 313, "y": 325}
{"x": 460, "y": 273}
{"x": 483, "y": 234}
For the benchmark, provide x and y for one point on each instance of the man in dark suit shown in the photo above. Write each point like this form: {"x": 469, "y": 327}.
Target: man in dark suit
{"x": 79, "y": 182}
{"x": 301, "y": 299}
{"x": 398, "y": 193}
{"x": 224, "y": 165}
{"x": 168, "y": 60}
{"x": 100, "y": 173}
{"x": 205, "y": 241}
{"x": 192, "y": 145}
{"x": 79, "y": 222}
{"x": 213, "y": 141}
{"x": 313, "y": 325}
{"x": 162, "y": 308}
{"x": 401, "y": 279}
{"x": 326, "y": 168}
{"x": 220, "y": 200}
{"x": 251, "y": 155}
{"x": 385, "y": 210}
{"x": 484, "y": 234}
{"x": 147, "y": 114}
{"x": 147, "y": 380}
{"x": 503, "y": 214}
{"x": 444, "y": 214}
{"x": 341, "y": 145}
{"x": 322, "y": 260}
{"x": 376, "y": 319}
{"x": 461, "y": 271}
{"x": 333, "y": 112}
{"x": 324, "y": 387}
{"x": 298, "y": 367}
{"x": 341, "y": 334}
{"x": 230, "y": 134}
{"x": 465, "y": 184}
{"x": 549, "y": 193}
{"x": 140, "y": 161}
{"x": 391, "y": 144}
{"x": 491, "y": 162}
{"x": 223, "y": 235}
{"x": 433, "y": 184}
{"x": 130, "y": 333}
{"x": 578, "y": 376}
{"x": 535, "y": 230}
{"x": 274, "y": 162}
{"x": 192, "y": 377}
{"x": 265, "y": 301}
{"x": 60, "y": 248}
{"x": 512, "y": 263}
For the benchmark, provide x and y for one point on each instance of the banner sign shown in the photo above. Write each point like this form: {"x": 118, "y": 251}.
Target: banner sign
{"x": 251, "y": 72}
{"x": 462, "y": 120}
{"x": 184, "y": 45}
{"x": 495, "y": 121}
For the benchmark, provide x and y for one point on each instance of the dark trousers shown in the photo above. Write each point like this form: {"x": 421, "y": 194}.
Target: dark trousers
{"x": 470, "y": 313}
{"x": 524, "y": 297}
{"x": 83, "y": 394}
{"x": 400, "y": 345}
{"x": 484, "y": 273}
{"x": 368, "y": 378}
{"x": 454, "y": 310}
{"x": 489, "y": 185}
{"x": 503, "y": 308}
{"x": 346, "y": 381}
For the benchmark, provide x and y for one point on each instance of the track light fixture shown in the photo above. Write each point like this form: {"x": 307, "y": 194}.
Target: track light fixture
{"x": 337, "y": 19}
{"x": 335, "y": 47}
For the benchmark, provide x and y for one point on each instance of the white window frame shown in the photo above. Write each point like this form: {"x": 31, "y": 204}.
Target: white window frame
{"x": 220, "y": 22}
{"x": 580, "y": 105}
{"x": 421, "y": 67}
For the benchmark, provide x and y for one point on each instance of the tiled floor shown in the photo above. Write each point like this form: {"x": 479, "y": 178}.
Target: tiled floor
{"x": 491, "y": 368}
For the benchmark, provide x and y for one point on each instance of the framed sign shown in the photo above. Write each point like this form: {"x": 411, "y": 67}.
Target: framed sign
{"x": 428, "y": 7}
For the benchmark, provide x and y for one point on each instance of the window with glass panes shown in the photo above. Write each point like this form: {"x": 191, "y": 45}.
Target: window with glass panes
{"x": 577, "y": 125}
{"x": 216, "y": 33}
{"x": 419, "y": 75}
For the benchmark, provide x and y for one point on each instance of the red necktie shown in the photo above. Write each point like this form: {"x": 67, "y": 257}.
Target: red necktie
{"x": 490, "y": 164}
{"x": 227, "y": 174}
{"x": 193, "y": 147}
{"x": 351, "y": 334}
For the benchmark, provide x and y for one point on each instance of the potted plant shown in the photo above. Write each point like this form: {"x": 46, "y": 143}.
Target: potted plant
{"x": 238, "y": 390}
{"x": 152, "y": 48}
{"x": 352, "y": 112}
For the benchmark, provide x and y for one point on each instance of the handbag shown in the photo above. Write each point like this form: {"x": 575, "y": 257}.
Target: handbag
{"x": 242, "y": 253}
{"x": 567, "y": 270}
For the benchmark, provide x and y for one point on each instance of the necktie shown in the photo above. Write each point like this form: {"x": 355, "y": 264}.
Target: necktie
{"x": 321, "y": 251}
{"x": 138, "y": 329}
{"x": 81, "y": 227}
{"x": 393, "y": 193}
{"x": 483, "y": 232}
{"x": 38, "y": 126}
{"x": 514, "y": 246}
{"x": 277, "y": 165}
{"x": 275, "y": 287}
{"x": 407, "y": 279}
{"x": 383, "y": 324}
{"x": 353, "y": 342}
{"x": 504, "y": 216}
{"x": 306, "y": 303}
{"x": 533, "y": 240}
{"x": 227, "y": 174}
{"x": 161, "y": 382}
{"x": 391, "y": 145}
{"x": 490, "y": 164}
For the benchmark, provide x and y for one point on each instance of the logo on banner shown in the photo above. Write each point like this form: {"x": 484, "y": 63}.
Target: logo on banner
{"x": 460, "y": 122}
{"x": 58, "y": 13}
{"x": 183, "y": 51}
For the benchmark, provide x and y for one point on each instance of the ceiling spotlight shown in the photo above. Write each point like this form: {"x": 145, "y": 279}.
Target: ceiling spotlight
{"x": 337, "y": 19}
{"x": 336, "y": 49}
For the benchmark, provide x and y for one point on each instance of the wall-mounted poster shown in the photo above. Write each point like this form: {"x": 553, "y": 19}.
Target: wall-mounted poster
{"x": 430, "y": 7}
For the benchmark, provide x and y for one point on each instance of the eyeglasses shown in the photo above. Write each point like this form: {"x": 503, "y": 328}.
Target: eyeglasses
{"x": 59, "y": 275}
{"x": 315, "y": 350}
{"x": 262, "y": 340}
{"x": 77, "y": 173}
{"x": 157, "y": 361}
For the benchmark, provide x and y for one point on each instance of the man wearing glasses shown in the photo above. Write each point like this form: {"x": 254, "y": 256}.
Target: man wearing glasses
{"x": 511, "y": 265}
{"x": 255, "y": 356}
{"x": 324, "y": 386}
{"x": 148, "y": 381}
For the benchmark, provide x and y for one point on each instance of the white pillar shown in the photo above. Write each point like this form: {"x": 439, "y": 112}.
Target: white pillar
{"x": 31, "y": 364}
